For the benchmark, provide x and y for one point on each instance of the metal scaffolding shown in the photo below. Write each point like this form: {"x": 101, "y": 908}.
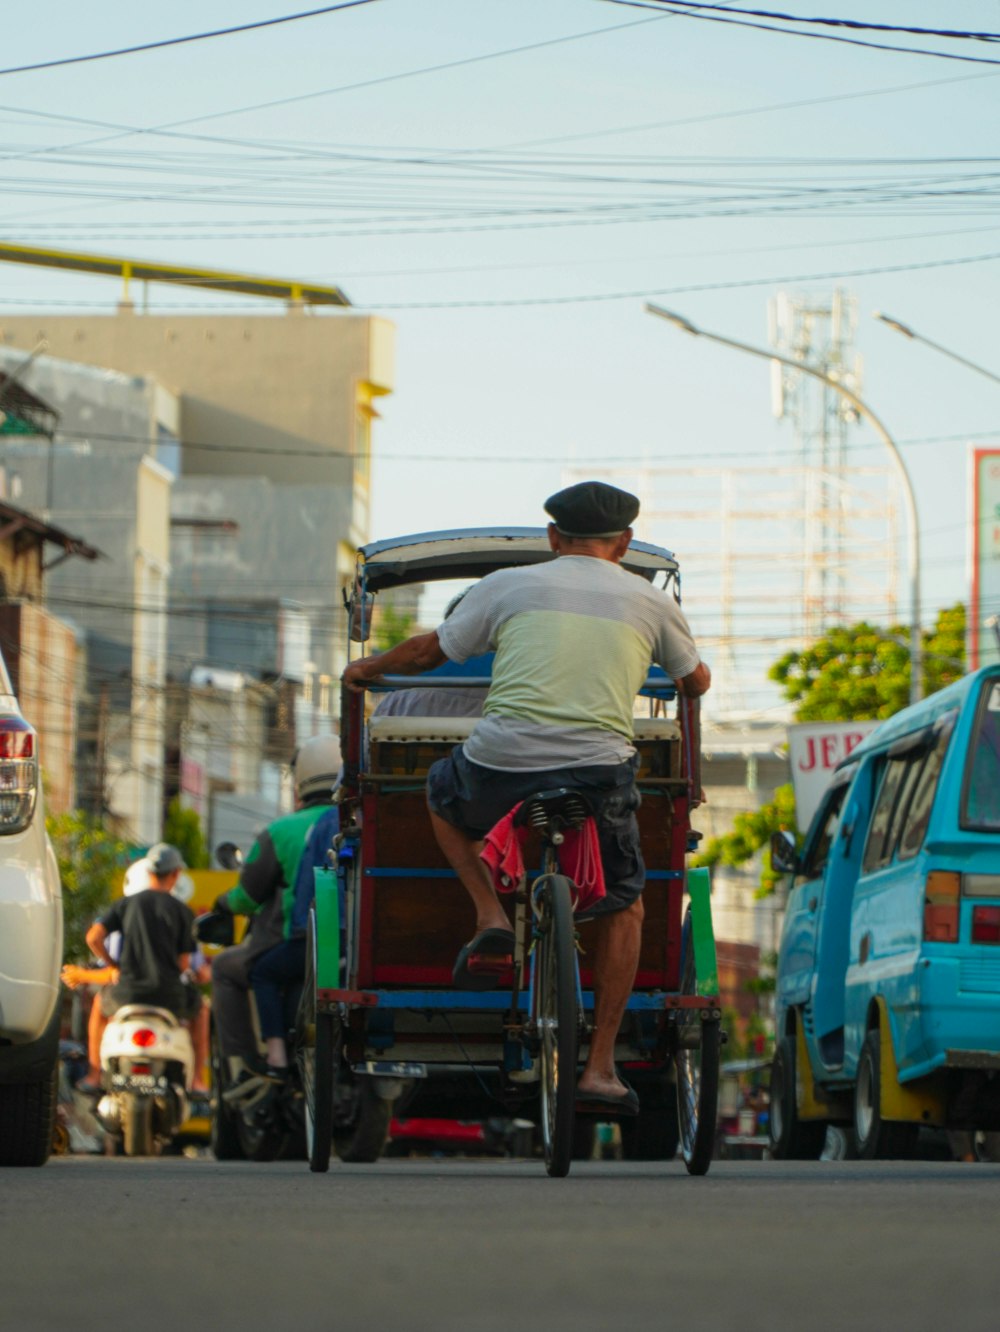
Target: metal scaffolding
{"x": 774, "y": 555}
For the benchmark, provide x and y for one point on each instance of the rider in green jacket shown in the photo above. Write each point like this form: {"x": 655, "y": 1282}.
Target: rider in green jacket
{"x": 273, "y": 954}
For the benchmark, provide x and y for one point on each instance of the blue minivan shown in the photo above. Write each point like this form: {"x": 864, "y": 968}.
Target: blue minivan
{"x": 888, "y": 981}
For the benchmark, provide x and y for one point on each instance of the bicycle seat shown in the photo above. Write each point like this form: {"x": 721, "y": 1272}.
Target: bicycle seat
{"x": 562, "y": 807}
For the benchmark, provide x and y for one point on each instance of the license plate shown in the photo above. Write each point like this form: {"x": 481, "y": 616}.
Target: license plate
{"x": 388, "y": 1068}
{"x": 147, "y": 1083}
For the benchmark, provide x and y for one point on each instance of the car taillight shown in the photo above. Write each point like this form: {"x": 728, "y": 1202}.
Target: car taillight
{"x": 941, "y": 906}
{"x": 144, "y": 1037}
{"x": 18, "y": 774}
{"x": 986, "y": 924}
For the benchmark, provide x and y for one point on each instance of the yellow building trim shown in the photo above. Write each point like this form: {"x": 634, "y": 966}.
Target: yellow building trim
{"x": 214, "y": 279}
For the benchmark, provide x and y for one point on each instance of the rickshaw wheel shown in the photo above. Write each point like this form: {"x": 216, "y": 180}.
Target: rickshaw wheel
{"x": 315, "y": 1049}
{"x": 558, "y": 1023}
{"x": 697, "y": 1063}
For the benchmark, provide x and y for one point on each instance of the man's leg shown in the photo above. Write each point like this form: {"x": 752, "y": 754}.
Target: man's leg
{"x": 231, "y": 1005}
{"x": 616, "y": 959}
{"x": 463, "y": 856}
{"x": 198, "y": 1026}
{"x": 95, "y": 1030}
{"x": 271, "y": 975}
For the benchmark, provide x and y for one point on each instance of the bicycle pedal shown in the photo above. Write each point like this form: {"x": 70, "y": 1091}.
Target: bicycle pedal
{"x": 490, "y": 964}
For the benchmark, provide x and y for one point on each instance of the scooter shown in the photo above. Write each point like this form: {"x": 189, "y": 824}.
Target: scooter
{"x": 148, "y": 1063}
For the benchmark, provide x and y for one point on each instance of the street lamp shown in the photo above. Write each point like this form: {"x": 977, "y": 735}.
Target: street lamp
{"x": 908, "y": 332}
{"x": 913, "y": 561}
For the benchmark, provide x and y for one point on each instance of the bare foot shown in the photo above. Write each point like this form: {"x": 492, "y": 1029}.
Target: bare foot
{"x": 496, "y": 921}
{"x": 601, "y": 1084}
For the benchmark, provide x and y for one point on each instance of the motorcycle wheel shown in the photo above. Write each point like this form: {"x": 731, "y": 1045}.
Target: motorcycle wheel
{"x": 223, "y": 1137}
{"x": 232, "y": 1137}
{"x": 362, "y": 1138}
{"x": 137, "y": 1126}
{"x": 260, "y": 1142}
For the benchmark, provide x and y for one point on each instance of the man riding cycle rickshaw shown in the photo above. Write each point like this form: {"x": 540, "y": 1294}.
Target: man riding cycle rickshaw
{"x": 574, "y": 639}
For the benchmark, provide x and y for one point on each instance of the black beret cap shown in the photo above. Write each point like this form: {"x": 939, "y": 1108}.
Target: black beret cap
{"x": 592, "y": 509}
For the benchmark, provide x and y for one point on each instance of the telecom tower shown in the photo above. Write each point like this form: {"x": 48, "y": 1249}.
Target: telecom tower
{"x": 849, "y": 536}
{"x": 775, "y": 553}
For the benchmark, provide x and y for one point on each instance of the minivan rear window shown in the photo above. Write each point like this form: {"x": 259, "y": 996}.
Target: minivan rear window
{"x": 918, "y": 812}
{"x": 882, "y": 832}
{"x": 906, "y": 795}
{"x": 981, "y": 790}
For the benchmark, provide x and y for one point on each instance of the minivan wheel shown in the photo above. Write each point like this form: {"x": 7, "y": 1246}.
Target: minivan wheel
{"x": 792, "y": 1138}
{"x": 877, "y": 1138}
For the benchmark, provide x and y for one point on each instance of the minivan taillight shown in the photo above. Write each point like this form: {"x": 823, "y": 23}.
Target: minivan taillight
{"x": 941, "y": 906}
{"x": 18, "y": 774}
{"x": 986, "y": 924}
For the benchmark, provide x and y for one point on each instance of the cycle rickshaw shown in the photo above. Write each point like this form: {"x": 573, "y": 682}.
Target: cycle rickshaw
{"x": 390, "y": 917}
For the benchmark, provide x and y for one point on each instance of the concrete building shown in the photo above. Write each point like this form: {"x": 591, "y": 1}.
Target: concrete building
{"x": 234, "y": 498}
{"x": 108, "y": 471}
{"x": 40, "y": 651}
{"x": 274, "y": 423}
{"x": 743, "y": 763}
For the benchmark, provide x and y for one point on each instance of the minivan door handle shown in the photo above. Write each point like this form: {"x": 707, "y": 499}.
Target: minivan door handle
{"x": 864, "y": 952}
{"x": 813, "y": 903}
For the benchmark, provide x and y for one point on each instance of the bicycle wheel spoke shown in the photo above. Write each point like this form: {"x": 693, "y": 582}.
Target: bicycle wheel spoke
{"x": 556, "y": 1013}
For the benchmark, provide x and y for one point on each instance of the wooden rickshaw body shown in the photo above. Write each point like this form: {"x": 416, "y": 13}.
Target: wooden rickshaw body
{"x": 403, "y": 915}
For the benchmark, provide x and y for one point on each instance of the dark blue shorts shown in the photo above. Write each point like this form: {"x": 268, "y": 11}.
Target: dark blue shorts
{"x": 473, "y": 798}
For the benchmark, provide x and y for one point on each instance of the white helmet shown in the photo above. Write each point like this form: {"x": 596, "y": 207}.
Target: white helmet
{"x": 316, "y": 766}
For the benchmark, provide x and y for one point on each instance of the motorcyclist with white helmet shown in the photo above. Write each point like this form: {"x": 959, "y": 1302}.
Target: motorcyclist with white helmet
{"x": 274, "y": 950}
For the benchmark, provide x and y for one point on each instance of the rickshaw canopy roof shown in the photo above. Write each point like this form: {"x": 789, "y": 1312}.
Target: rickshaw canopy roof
{"x": 473, "y": 552}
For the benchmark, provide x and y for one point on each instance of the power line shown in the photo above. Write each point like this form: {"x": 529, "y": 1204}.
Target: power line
{"x": 855, "y": 24}
{"x": 13, "y": 446}
{"x": 181, "y": 41}
{"x": 697, "y": 287}
{"x": 661, "y": 7}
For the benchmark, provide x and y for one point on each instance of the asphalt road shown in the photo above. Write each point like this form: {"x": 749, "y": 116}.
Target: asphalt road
{"x": 495, "y": 1246}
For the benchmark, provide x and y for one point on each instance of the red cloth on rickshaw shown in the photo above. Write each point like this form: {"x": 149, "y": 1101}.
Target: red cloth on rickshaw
{"x": 579, "y": 858}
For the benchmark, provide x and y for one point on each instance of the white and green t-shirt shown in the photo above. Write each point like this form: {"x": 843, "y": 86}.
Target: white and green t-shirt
{"x": 574, "y": 639}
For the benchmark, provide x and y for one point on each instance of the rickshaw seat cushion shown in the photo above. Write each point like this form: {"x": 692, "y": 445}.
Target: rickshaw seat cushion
{"x": 453, "y": 730}
{"x": 448, "y": 730}
{"x": 657, "y": 728}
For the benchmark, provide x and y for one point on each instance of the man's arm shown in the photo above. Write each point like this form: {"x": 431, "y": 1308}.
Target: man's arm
{"x": 695, "y": 684}
{"x": 413, "y": 657}
{"x": 96, "y": 938}
{"x": 260, "y": 878}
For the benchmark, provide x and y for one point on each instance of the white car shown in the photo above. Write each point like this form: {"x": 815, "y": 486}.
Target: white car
{"x": 31, "y": 944}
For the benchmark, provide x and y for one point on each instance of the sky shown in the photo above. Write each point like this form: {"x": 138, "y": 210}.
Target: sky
{"x": 510, "y": 184}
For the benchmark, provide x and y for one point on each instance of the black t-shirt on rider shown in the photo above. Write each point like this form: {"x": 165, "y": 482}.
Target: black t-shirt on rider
{"x": 156, "y": 929}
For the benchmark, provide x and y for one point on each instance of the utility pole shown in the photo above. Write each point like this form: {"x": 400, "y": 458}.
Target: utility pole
{"x": 102, "y": 752}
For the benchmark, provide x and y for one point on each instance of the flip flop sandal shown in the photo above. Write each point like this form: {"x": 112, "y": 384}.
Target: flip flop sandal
{"x": 484, "y": 960}
{"x": 598, "y": 1103}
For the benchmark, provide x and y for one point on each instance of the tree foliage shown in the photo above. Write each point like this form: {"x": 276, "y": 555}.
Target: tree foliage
{"x": 751, "y": 832}
{"x": 90, "y": 863}
{"x": 859, "y": 672}
{"x": 393, "y": 627}
{"x": 182, "y": 828}
{"x": 853, "y": 673}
